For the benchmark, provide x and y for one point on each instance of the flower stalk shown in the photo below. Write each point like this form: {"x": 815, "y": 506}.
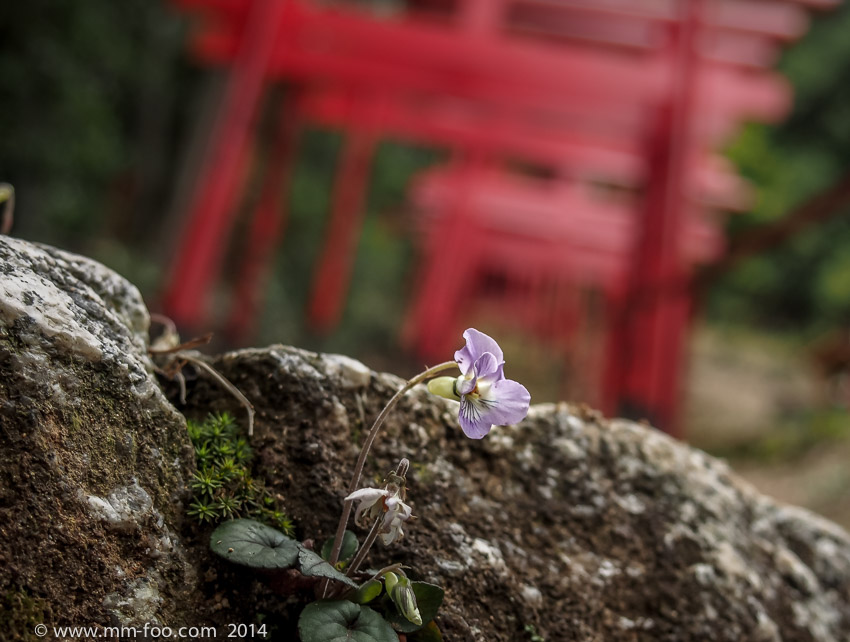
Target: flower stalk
{"x": 364, "y": 549}
{"x": 367, "y": 446}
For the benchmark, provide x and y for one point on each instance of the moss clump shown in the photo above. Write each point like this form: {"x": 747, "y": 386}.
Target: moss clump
{"x": 19, "y": 613}
{"x": 223, "y": 485}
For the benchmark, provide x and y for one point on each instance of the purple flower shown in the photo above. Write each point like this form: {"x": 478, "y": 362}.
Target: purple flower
{"x": 486, "y": 398}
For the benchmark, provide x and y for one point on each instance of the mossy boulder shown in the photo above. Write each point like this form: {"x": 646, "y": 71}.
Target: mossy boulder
{"x": 93, "y": 458}
{"x": 567, "y": 526}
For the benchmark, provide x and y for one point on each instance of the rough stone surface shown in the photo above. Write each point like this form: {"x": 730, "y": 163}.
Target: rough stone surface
{"x": 567, "y": 526}
{"x": 93, "y": 458}
{"x": 582, "y": 528}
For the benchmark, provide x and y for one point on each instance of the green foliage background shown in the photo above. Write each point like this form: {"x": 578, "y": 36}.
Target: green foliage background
{"x": 804, "y": 285}
{"x": 91, "y": 96}
{"x": 97, "y": 100}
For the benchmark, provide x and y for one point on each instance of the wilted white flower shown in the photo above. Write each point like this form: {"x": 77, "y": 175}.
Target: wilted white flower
{"x": 386, "y": 504}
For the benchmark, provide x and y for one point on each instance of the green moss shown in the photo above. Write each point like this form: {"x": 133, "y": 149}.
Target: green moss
{"x": 19, "y": 613}
{"x": 223, "y": 485}
{"x": 533, "y": 636}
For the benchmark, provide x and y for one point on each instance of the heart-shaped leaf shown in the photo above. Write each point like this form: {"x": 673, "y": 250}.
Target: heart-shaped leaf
{"x": 349, "y": 547}
{"x": 343, "y": 621}
{"x": 429, "y": 597}
{"x": 250, "y": 543}
{"x": 312, "y": 565}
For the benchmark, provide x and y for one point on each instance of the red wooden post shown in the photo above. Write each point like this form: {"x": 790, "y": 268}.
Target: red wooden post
{"x": 450, "y": 255}
{"x": 268, "y": 224}
{"x": 645, "y": 360}
{"x": 336, "y": 263}
{"x": 212, "y": 206}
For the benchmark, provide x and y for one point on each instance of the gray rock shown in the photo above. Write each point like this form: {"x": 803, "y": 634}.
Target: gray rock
{"x": 582, "y": 528}
{"x": 94, "y": 460}
{"x": 566, "y": 526}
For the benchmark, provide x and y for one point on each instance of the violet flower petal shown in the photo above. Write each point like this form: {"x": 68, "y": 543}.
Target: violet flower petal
{"x": 513, "y": 400}
{"x": 488, "y": 369}
{"x": 484, "y": 368}
{"x": 472, "y": 422}
{"x": 506, "y": 403}
{"x": 477, "y": 343}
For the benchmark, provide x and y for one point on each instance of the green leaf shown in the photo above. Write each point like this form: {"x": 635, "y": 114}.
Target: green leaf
{"x": 251, "y": 543}
{"x": 349, "y": 547}
{"x": 428, "y": 633}
{"x": 429, "y": 597}
{"x": 367, "y": 592}
{"x": 312, "y": 565}
{"x": 343, "y": 621}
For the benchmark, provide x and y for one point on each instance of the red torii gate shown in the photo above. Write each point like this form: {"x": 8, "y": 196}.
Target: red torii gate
{"x": 396, "y": 55}
{"x": 267, "y": 39}
{"x": 553, "y": 223}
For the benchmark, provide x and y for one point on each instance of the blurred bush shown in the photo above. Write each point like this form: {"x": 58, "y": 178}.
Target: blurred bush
{"x": 93, "y": 96}
{"x": 805, "y": 284}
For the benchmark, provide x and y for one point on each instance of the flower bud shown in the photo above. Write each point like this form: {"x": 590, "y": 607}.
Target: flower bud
{"x": 444, "y": 387}
{"x": 390, "y": 580}
{"x": 404, "y": 598}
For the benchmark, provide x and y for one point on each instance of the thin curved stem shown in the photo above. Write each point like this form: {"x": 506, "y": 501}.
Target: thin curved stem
{"x": 373, "y": 432}
{"x": 364, "y": 550}
{"x": 215, "y": 374}
{"x": 367, "y": 445}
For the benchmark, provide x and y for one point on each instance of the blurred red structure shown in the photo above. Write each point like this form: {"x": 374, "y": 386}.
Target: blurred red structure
{"x": 614, "y": 98}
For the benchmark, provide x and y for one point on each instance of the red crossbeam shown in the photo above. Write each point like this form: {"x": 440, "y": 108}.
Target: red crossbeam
{"x": 615, "y": 159}
{"x": 561, "y": 212}
{"x": 404, "y": 55}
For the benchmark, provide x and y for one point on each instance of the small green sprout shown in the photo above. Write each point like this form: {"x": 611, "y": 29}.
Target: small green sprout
{"x": 228, "y": 468}
{"x": 223, "y": 486}
{"x": 221, "y": 426}
{"x": 203, "y": 511}
{"x": 224, "y": 450}
{"x": 228, "y": 506}
{"x": 242, "y": 451}
{"x": 195, "y": 430}
{"x": 203, "y": 455}
{"x": 206, "y": 482}
{"x": 279, "y": 520}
